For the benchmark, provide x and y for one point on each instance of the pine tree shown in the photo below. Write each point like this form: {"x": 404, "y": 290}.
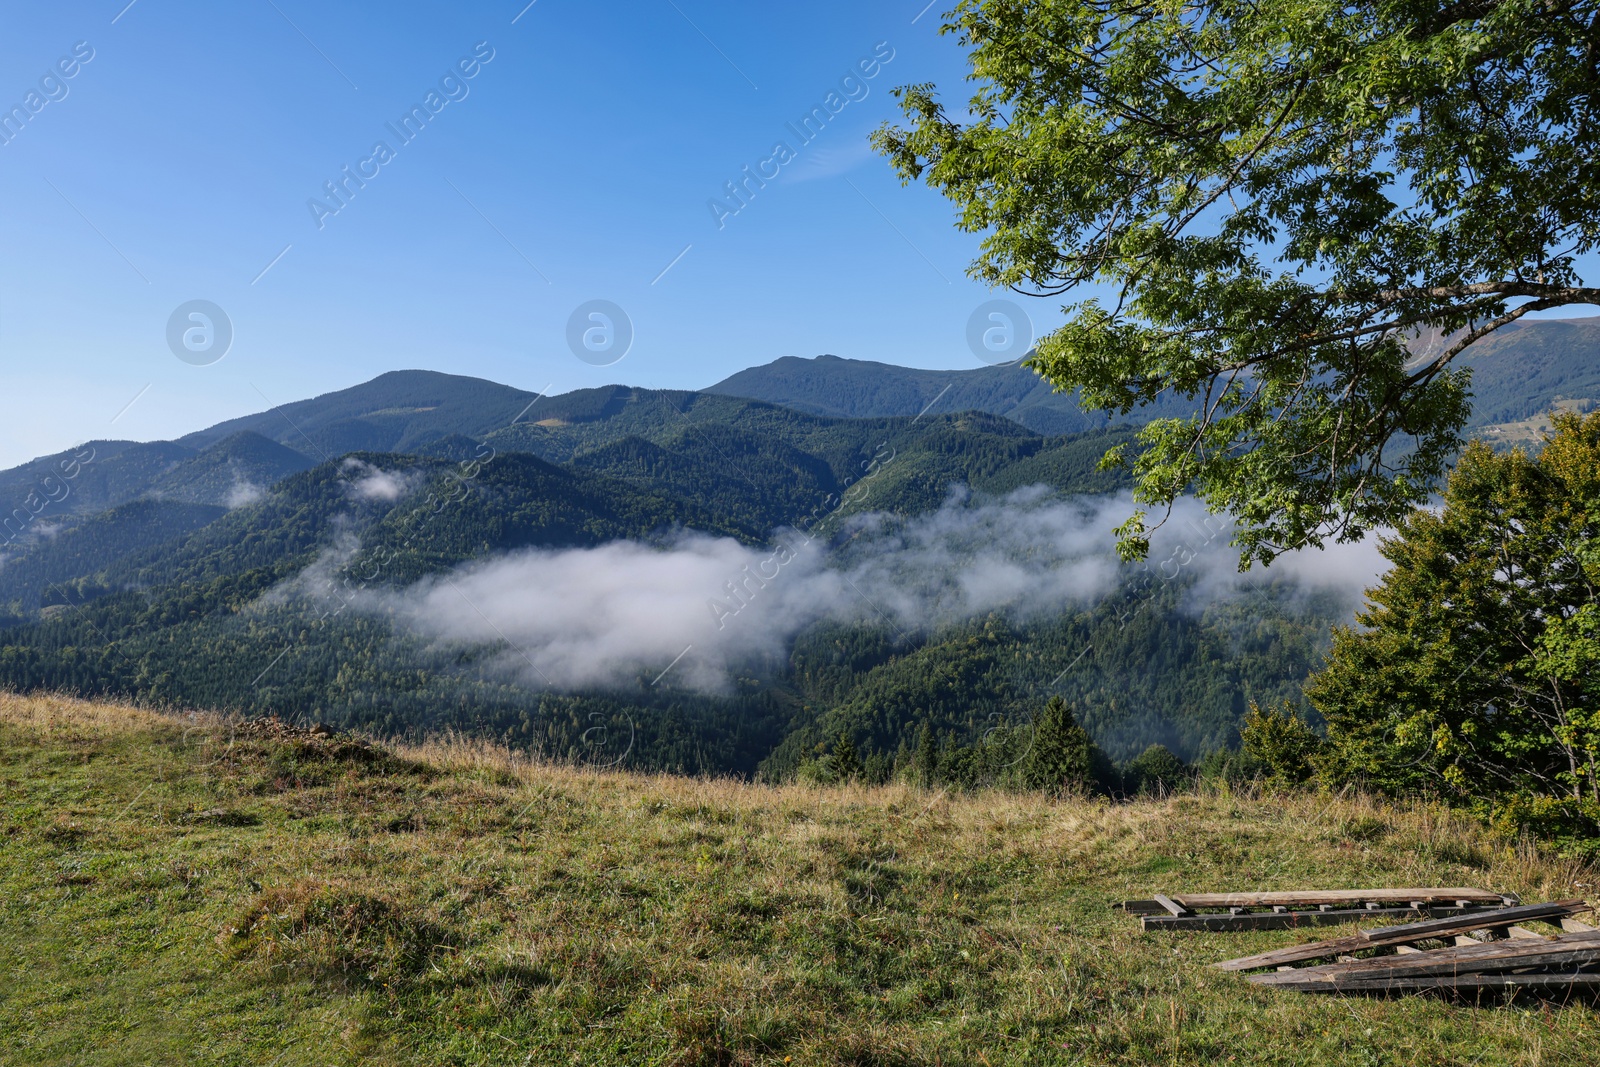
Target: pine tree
{"x": 846, "y": 761}
{"x": 1156, "y": 770}
{"x": 1059, "y": 759}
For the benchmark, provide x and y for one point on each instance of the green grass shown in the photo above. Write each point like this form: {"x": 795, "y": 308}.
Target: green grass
{"x": 178, "y": 891}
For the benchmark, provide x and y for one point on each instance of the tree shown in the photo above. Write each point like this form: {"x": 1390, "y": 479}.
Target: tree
{"x": 846, "y": 760}
{"x": 1156, "y": 769}
{"x": 927, "y": 758}
{"x": 1476, "y": 670}
{"x": 1294, "y": 214}
{"x": 1277, "y": 739}
{"x": 1058, "y": 759}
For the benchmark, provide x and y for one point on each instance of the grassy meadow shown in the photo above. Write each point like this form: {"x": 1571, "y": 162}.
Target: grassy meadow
{"x": 194, "y": 890}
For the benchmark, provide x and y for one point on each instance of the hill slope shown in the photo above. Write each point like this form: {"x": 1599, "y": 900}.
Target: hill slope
{"x": 181, "y": 890}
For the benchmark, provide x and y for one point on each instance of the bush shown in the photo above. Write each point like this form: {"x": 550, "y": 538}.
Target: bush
{"x": 1280, "y": 742}
{"x": 1156, "y": 770}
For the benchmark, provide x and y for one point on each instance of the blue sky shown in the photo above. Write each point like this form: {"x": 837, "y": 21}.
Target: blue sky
{"x": 577, "y": 163}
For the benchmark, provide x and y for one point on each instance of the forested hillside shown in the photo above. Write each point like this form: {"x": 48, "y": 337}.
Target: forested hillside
{"x": 245, "y": 566}
{"x": 828, "y": 385}
{"x": 954, "y": 579}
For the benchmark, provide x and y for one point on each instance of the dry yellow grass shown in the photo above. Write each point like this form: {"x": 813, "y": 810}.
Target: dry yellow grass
{"x": 52, "y": 716}
{"x": 453, "y": 903}
{"x": 1068, "y": 828}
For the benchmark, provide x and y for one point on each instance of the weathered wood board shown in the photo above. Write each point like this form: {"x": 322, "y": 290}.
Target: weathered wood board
{"x": 1317, "y": 897}
{"x": 1219, "y": 922}
{"x": 1569, "y": 953}
{"x": 1323, "y": 898}
{"x": 1571, "y": 980}
{"x": 1399, "y": 935}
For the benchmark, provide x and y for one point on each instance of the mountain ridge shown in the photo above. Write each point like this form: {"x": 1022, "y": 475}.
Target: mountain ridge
{"x": 1518, "y": 372}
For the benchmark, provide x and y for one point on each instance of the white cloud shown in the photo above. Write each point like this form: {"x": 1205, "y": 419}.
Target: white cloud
{"x": 243, "y": 492}
{"x": 623, "y": 611}
{"x": 371, "y": 483}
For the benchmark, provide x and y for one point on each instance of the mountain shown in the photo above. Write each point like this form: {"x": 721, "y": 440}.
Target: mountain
{"x": 271, "y": 563}
{"x": 96, "y": 475}
{"x": 1521, "y": 371}
{"x": 74, "y": 562}
{"x": 858, "y": 389}
{"x": 163, "y": 600}
{"x": 401, "y": 411}
{"x": 757, "y": 448}
{"x": 102, "y": 474}
{"x": 1518, "y": 372}
{"x": 233, "y": 471}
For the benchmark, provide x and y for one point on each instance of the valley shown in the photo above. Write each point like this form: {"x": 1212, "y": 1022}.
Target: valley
{"x": 275, "y": 564}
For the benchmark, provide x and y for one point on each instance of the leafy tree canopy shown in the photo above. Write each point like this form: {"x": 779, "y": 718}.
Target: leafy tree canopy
{"x": 1277, "y": 740}
{"x": 1477, "y": 671}
{"x": 1281, "y": 197}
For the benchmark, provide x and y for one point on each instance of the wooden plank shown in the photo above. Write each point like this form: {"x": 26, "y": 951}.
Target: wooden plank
{"x": 1567, "y": 980}
{"x": 1573, "y": 926}
{"x": 1570, "y": 951}
{"x": 1522, "y": 933}
{"x": 1472, "y": 920}
{"x": 1266, "y": 920}
{"x": 1406, "y": 950}
{"x": 1471, "y": 958}
{"x": 1391, "y": 935}
{"x": 1170, "y": 905}
{"x": 1312, "y": 897}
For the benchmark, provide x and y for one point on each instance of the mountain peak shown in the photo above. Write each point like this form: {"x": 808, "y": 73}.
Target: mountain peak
{"x": 837, "y": 387}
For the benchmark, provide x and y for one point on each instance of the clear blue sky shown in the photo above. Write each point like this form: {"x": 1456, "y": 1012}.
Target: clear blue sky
{"x": 178, "y": 162}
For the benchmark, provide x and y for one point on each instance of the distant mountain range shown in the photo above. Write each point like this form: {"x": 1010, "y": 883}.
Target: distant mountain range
{"x": 857, "y": 389}
{"x": 1517, "y": 373}
{"x": 198, "y": 571}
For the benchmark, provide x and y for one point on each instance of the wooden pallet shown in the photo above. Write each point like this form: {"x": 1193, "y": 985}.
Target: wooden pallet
{"x": 1277, "y": 910}
{"x": 1505, "y": 955}
{"x": 1391, "y": 936}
